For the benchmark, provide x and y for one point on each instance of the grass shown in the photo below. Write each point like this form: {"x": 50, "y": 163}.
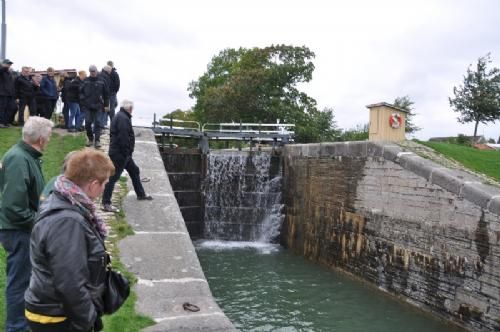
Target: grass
{"x": 124, "y": 320}
{"x": 482, "y": 161}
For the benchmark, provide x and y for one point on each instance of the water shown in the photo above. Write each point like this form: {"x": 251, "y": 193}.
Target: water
{"x": 262, "y": 287}
{"x": 242, "y": 197}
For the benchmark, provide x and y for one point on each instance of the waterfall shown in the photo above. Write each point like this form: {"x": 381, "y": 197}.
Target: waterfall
{"x": 243, "y": 196}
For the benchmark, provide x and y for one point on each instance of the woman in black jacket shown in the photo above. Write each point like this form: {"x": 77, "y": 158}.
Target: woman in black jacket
{"x": 68, "y": 255}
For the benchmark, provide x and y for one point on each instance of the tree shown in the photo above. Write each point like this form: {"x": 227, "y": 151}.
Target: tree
{"x": 259, "y": 85}
{"x": 405, "y": 103}
{"x": 478, "y": 99}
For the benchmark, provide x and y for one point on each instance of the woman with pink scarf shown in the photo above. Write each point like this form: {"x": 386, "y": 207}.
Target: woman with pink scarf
{"x": 68, "y": 255}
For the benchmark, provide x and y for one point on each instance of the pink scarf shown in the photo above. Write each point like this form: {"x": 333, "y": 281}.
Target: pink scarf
{"x": 79, "y": 198}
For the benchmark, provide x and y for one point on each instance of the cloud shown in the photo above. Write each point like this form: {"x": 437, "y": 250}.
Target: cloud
{"x": 366, "y": 51}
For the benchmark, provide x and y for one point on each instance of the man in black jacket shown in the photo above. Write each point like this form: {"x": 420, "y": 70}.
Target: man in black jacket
{"x": 106, "y": 78}
{"x": 7, "y": 93}
{"x": 94, "y": 98}
{"x": 25, "y": 92}
{"x": 121, "y": 148}
{"x": 113, "y": 89}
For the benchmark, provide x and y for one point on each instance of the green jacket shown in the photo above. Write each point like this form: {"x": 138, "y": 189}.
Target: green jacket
{"x": 21, "y": 182}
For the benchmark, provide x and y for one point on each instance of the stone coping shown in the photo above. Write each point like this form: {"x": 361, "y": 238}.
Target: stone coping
{"x": 458, "y": 182}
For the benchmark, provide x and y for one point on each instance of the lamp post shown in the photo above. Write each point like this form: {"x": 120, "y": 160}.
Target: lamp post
{"x": 4, "y": 32}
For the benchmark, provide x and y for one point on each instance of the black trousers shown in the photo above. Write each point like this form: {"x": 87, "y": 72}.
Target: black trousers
{"x": 122, "y": 162}
{"x": 92, "y": 125}
{"x": 23, "y": 102}
{"x": 50, "y": 105}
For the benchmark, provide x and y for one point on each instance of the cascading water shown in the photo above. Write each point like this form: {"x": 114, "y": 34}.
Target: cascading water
{"x": 243, "y": 197}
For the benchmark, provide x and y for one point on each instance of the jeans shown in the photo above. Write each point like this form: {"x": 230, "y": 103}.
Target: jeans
{"x": 103, "y": 119}
{"x": 74, "y": 113}
{"x": 92, "y": 118}
{"x": 17, "y": 245}
{"x": 65, "y": 113}
{"x": 121, "y": 162}
{"x": 23, "y": 102}
{"x": 81, "y": 116}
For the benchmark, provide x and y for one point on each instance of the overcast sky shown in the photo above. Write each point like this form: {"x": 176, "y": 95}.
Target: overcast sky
{"x": 366, "y": 51}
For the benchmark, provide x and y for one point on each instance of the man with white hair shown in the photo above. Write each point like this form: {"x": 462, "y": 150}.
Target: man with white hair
{"x": 21, "y": 182}
{"x": 121, "y": 148}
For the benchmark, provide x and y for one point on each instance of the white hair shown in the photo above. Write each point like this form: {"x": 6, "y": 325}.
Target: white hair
{"x": 35, "y": 128}
{"x": 127, "y": 104}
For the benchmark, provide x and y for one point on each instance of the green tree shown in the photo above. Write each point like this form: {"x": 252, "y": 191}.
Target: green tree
{"x": 478, "y": 98}
{"x": 405, "y": 103}
{"x": 259, "y": 85}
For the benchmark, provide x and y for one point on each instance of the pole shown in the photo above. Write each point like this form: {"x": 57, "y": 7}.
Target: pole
{"x": 4, "y": 32}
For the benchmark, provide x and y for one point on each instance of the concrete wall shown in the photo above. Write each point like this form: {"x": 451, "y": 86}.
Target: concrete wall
{"x": 427, "y": 234}
{"x": 161, "y": 253}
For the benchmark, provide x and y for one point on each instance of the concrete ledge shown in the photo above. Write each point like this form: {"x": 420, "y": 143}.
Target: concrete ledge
{"x": 161, "y": 254}
{"x": 457, "y": 182}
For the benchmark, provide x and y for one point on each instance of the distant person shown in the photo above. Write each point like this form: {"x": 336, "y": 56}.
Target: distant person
{"x": 121, "y": 148}
{"x": 76, "y": 116}
{"x": 64, "y": 83}
{"x": 39, "y": 98}
{"x": 25, "y": 93}
{"x": 7, "y": 94}
{"x": 94, "y": 98}
{"x": 113, "y": 90}
{"x": 21, "y": 183}
{"x": 106, "y": 78}
{"x": 49, "y": 92}
{"x": 67, "y": 250}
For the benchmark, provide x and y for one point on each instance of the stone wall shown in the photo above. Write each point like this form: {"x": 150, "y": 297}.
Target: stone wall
{"x": 427, "y": 234}
{"x": 185, "y": 169}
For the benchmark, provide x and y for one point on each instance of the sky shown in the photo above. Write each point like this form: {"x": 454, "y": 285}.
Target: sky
{"x": 366, "y": 51}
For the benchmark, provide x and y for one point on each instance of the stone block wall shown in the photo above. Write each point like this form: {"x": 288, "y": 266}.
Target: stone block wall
{"x": 427, "y": 234}
{"x": 185, "y": 168}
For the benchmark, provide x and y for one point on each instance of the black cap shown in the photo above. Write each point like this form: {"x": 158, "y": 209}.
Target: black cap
{"x": 7, "y": 62}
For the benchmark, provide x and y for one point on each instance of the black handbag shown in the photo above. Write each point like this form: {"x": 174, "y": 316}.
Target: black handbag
{"x": 116, "y": 291}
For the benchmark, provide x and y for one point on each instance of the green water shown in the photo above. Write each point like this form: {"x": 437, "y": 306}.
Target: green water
{"x": 265, "y": 288}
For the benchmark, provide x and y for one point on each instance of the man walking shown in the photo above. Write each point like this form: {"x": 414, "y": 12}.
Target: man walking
{"x": 94, "y": 98}
{"x": 121, "y": 148}
{"x": 7, "y": 92}
{"x": 21, "y": 182}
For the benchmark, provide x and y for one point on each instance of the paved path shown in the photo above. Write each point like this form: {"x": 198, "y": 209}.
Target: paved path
{"x": 161, "y": 253}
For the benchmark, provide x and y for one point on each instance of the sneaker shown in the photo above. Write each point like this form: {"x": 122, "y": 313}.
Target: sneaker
{"x": 97, "y": 145}
{"x": 89, "y": 143}
{"x": 110, "y": 208}
{"x": 71, "y": 130}
{"x": 145, "y": 198}
{"x": 2, "y": 125}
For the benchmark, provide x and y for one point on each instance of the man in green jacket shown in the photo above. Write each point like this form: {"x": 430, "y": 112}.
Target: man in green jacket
{"x": 21, "y": 182}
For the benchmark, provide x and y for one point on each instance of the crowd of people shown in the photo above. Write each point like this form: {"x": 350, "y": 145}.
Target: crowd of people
{"x": 88, "y": 100}
{"x": 52, "y": 233}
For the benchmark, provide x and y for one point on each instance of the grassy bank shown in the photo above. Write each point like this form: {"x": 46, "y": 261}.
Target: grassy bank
{"x": 126, "y": 319}
{"x": 482, "y": 161}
